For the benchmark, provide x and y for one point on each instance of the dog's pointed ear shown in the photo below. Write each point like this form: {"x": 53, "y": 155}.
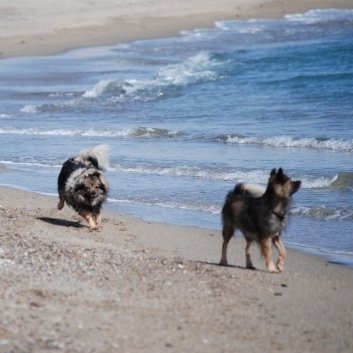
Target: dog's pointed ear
{"x": 273, "y": 172}
{"x": 281, "y": 177}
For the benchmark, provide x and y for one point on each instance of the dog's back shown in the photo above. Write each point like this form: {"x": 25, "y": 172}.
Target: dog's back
{"x": 240, "y": 204}
{"x": 68, "y": 169}
{"x": 95, "y": 157}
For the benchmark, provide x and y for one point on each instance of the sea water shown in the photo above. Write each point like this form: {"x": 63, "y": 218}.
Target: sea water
{"x": 189, "y": 117}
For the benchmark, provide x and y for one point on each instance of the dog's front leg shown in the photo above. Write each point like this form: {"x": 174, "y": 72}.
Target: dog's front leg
{"x": 91, "y": 221}
{"x": 265, "y": 245}
{"x": 277, "y": 241}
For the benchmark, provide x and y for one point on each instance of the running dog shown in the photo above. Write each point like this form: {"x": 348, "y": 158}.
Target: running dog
{"x": 261, "y": 215}
{"x": 82, "y": 185}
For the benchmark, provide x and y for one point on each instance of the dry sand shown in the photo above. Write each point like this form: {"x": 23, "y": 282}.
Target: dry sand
{"x": 41, "y": 27}
{"x": 138, "y": 286}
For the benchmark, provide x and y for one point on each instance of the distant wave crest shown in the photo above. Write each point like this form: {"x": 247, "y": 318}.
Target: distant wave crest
{"x": 259, "y": 176}
{"x": 321, "y": 15}
{"x": 140, "y": 131}
{"x": 341, "y": 145}
{"x": 341, "y": 214}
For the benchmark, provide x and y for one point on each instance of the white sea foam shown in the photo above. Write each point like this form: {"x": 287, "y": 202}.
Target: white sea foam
{"x": 256, "y": 176}
{"x": 292, "y": 142}
{"x": 29, "y": 109}
{"x": 178, "y": 205}
{"x": 316, "y": 16}
{"x": 222, "y": 25}
{"x": 233, "y": 175}
{"x": 98, "y": 89}
{"x": 192, "y": 70}
{"x": 133, "y": 132}
{"x": 61, "y": 94}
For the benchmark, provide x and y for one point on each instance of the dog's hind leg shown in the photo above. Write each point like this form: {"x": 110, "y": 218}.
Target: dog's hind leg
{"x": 265, "y": 245}
{"x": 227, "y": 233}
{"x": 249, "y": 263}
{"x": 277, "y": 241}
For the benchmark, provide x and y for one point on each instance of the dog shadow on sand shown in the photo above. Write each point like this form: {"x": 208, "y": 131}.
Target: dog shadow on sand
{"x": 231, "y": 266}
{"x": 62, "y": 222}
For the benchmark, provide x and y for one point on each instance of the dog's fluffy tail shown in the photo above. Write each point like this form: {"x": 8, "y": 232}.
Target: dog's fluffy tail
{"x": 97, "y": 155}
{"x": 255, "y": 190}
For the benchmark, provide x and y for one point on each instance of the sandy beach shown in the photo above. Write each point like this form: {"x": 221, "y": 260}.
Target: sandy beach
{"x": 139, "y": 286}
{"x": 45, "y": 27}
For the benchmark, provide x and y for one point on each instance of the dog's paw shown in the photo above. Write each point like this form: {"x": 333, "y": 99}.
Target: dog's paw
{"x": 223, "y": 263}
{"x": 280, "y": 265}
{"x": 61, "y": 205}
{"x": 273, "y": 270}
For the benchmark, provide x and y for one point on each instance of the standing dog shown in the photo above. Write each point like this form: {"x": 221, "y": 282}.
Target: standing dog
{"x": 83, "y": 186}
{"x": 261, "y": 215}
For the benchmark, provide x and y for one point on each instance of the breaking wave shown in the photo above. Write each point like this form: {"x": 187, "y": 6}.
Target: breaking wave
{"x": 340, "y": 145}
{"x": 321, "y": 16}
{"x": 196, "y": 69}
{"x": 5, "y": 116}
{"x": 342, "y": 181}
{"x": 341, "y": 214}
{"x": 259, "y": 176}
{"x": 140, "y": 131}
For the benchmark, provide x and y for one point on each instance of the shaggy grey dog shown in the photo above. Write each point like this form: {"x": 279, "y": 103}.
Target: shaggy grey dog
{"x": 82, "y": 184}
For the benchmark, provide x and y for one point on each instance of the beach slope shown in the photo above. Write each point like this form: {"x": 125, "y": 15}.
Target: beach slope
{"x": 40, "y": 27}
{"x": 141, "y": 286}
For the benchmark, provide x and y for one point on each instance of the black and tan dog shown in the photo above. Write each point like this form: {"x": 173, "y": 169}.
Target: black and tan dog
{"x": 82, "y": 185}
{"x": 261, "y": 215}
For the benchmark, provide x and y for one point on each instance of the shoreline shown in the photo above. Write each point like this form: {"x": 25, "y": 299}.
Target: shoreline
{"x": 136, "y": 285}
{"x": 39, "y": 28}
{"x": 339, "y": 259}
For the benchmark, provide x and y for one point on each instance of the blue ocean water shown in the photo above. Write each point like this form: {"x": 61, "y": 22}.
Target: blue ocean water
{"x": 188, "y": 117}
